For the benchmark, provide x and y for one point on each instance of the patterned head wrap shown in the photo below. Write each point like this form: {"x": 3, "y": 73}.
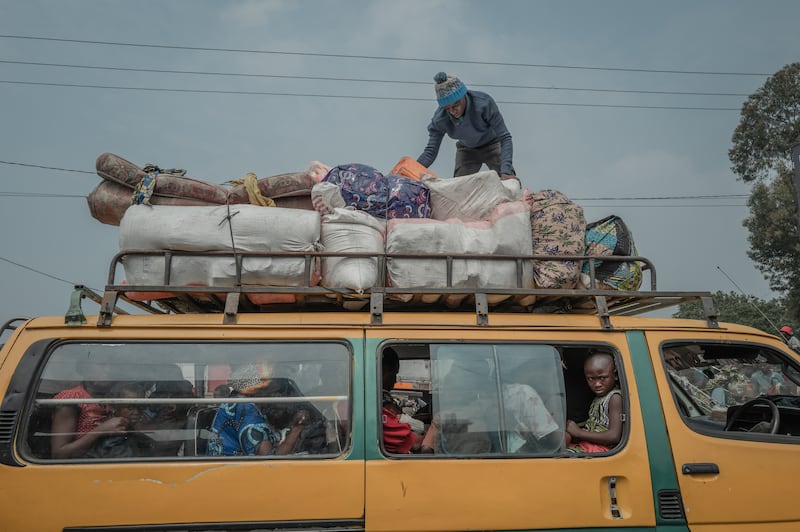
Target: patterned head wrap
{"x": 250, "y": 378}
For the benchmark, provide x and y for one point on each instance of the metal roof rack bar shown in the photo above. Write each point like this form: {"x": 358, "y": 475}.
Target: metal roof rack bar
{"x": 235, "y": 297}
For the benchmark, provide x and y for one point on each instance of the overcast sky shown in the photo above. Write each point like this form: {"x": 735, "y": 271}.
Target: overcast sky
{"x": 592, "y": 119}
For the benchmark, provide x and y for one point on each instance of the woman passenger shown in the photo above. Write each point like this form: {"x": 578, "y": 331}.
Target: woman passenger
{"x": 75, "y": 428}
{"x": 239, "y": 429}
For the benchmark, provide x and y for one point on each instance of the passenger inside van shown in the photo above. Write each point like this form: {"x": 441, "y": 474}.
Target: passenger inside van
{"x": 75, "y": 428}
{"x": 603, "y": 427}
{"x": 240, "y": 429}
{"x": 166, "y": 421}
{"x": 282, "y": 416}
{"x": 398, "y": 437}
{"x": 468, "y": 425}
{"x": 130, "y": 443}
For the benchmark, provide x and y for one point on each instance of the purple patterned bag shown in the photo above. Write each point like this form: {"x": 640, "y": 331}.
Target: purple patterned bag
{"x": 366, "y": 189}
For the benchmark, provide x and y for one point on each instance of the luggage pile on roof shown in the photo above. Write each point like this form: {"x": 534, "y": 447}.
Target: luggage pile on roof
{"x": 409, "y": 214}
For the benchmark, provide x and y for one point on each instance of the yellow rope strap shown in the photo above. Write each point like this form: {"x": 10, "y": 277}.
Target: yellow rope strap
{"x": 253, "y": 193}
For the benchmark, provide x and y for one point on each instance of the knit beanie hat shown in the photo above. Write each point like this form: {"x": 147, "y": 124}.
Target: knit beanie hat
{"x": 449, "y": 89}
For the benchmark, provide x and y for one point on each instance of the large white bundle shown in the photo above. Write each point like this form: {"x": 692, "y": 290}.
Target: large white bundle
{"x": 351, "y": 231}
{"x": 505, "y": 232}
{"x": 470, "y": 197}
{"x": 250, "y": 228}
{"x": 204, "y": 228}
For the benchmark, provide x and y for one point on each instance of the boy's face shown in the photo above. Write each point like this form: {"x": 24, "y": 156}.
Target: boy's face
{"x": 600, "y": 375}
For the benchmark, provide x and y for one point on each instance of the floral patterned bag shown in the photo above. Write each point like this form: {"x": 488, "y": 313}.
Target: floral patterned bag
{"x": 558, "y": 227}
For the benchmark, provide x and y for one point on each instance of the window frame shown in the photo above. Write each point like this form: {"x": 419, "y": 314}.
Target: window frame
{"x": 28, "y": 411}
{"x": 559, "y": 346}
{"x": 708, "y": 427}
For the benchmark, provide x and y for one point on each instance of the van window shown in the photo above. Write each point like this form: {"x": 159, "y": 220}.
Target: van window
{"x": 173, "y": 401}
{"x": 734, "y": 389}
{"x": 506, "y": 399}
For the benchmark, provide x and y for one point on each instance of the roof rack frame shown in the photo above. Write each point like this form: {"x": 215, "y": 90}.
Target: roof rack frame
{"x": 231, "y": 299}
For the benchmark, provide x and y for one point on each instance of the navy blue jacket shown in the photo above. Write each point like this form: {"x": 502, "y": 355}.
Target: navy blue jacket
{"x": 481, "y": 124}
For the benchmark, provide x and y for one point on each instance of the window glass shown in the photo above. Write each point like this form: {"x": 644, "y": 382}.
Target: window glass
{"x": 480, "y": 399}
{"x": 188, "y": 400}
{"x": 733, "y": 388}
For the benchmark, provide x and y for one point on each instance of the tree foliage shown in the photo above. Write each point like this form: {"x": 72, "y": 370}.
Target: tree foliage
{"x": 744, "y": 310}
{"x": 761, "y": 153}
{"x": 774, "y": 237}
{"x": 768, "y": 127}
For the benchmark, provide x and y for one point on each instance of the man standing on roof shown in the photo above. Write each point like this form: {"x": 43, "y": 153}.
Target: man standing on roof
{"x": 473, "y": 119}
{"x": 790, "y": 338}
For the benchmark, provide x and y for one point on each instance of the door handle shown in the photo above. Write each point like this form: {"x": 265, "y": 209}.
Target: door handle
{"x": 700, "y": 469}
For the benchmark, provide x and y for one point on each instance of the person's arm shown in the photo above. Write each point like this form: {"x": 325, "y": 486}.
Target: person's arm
{"x": 289, "y": 442}
{"x": 495, "y": 119}
{"x": 610, "y": 437}
{"x": 430, "y": 152}
{"x": 63, "y": 443}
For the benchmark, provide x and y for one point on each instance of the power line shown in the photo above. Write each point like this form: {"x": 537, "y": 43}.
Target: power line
{"x": 708, "y": 196}
{"x": 5, "y": 194}
{"x": 39, "y": 195}
{"x": 37, "y": 271}
{"x": 366, "y": 80}
{"x": 610, "y": 198}
{"x": 47, "y": 167}
{"x": 381, "y": 58}
{"x": 357, "y": 97}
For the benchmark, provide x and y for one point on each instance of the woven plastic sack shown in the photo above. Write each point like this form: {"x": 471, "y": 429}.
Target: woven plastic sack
{"x": 610, "y": 236}
{"x": 351, "y": 231}
{"x": 468, "y": 198}
{"x": 558, "y": 227}
{"x": 249, "y": 228}
{"x": 505, "y": 232}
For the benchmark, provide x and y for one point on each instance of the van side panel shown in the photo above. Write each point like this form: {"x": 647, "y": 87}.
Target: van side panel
{"x": 756, "y": 480}
{"x": 46, "y": 495}
{"x": 433, "y": 492}
{"x": 662, "y": 466}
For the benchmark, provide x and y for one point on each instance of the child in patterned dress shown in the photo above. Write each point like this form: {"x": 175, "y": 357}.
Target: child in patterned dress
{"x": 603, "y": 429}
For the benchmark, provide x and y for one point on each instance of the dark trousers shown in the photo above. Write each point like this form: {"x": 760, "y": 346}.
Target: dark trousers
{"x": 469, "y": 160}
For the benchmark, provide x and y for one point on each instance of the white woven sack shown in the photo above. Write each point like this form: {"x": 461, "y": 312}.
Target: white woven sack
{"x": 351, "y": 231}
{"x": 250, "y": 227}
{"x": 505, "y": 232}
{"x": 468, "y": 198}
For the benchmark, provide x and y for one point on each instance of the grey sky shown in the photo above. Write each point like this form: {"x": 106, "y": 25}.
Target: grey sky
{"x": 586, "y": 152}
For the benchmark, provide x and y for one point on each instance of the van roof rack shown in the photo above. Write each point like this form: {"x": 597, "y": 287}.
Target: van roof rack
{"x": 235, "y": 297}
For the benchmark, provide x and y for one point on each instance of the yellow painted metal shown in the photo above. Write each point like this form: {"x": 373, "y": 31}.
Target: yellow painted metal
{"x": 756, "y": 481}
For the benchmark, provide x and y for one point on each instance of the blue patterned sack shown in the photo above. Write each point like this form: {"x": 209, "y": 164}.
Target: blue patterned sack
{"x": 610, "y": 236}
{"x": 392, "y": 196}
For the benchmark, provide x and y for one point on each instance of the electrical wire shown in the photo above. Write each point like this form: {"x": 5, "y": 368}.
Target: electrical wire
{"x": 366, "y": 80}
{"x": 382, "y": 58}
{"x": 39, "y": 272}
{"x": 356, "y": 97}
